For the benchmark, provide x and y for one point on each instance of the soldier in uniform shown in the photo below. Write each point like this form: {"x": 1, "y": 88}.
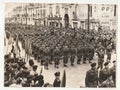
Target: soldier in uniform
{"x": 104, "y": 73}
{"x": 91, "y": 79}
{"x": 100, "y": 58}
{"x": 108, "y": 52}
{"x": 72, "y": 54}
{"x": 47, "y": 57}
{"x": 79, "y": 54}
{"x": 66, "y": 53}
{"x": 51, "y": 54}
{"x": 57, "y": 81}
{"x": 85, "y": 53}
{"x": 56, "y": 57}
{"x": 91, "y": 53}
{"x": 113, "y": 72}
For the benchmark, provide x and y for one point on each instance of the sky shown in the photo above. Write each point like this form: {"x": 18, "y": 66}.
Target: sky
{"x": 9, "y": 7}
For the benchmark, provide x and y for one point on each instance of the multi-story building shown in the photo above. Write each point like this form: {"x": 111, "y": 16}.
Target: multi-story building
{"x": 85, "y": 16}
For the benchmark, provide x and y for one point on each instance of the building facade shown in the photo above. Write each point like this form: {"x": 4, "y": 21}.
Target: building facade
{"x": 84, "y": 16}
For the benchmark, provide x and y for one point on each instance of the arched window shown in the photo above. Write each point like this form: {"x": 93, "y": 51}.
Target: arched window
{"x": 57, "y": 9}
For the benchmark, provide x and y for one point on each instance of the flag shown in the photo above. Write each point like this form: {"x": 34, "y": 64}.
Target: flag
{"x": 17, "y": 45}
{"x": 63, "y": 83}
{"x": 41, "y": 71}
{"x": 28, "y": 47}
{"x": 10, "y": 40}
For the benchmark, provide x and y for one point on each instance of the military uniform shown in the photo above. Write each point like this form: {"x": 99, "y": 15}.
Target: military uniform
{"x": 79, "y": 54}
{"x": 91, "y": 79}
{"x": 72, "y": 55}
{"x": 104, "y": 73}
{"x": 66, "y": 53}
{"x": 108, "y": 52}
{"x": 85, "y": 53}
{"x": 113, "y": 72}
{"x": 100, "y": 58}
{"x": 56, "y": 57}
{"x": 47, "y": 57}
{"x": 57, "y": 81}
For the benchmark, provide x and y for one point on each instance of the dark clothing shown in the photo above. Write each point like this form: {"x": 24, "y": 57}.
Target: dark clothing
{"x": 66, "y": 53}
{"x": 56, "y": 83}
{"x": 113, "y": 73}
{"x": 100, "y": 59}
{"x": 91, "y": 79}
{"x": 104, "y": 74}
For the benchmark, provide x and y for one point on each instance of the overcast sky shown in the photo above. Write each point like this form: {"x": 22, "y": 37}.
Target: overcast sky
{"x": 9, "y": 7}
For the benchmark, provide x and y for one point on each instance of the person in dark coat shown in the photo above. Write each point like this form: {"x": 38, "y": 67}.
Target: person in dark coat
{"x": 113, "y": 72}
{"x": 91, "y": 79}
{"x": 85, "y": 53}
{"x": 79, "y": 54}
{"x": 56, "y": 57}
{"x": 66, "y": 53}
{"x": 100, "y": 58}
{"x": 108, "y": 52}
{"x": 57, "y": 81}
{"x": 72, "y": 54}
{"x": 104, "y": 73}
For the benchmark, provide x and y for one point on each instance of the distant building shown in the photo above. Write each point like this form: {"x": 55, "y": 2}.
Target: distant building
{"x": 82, "y": 16}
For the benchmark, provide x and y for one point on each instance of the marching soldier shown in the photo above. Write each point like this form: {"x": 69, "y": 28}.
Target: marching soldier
{"x": 66, "y": 53}
{"x": 56, "y": 57}
{"x": 46, "y": 55}
{"x": 72, "y": 55}
{"x": 57, "y": 81}
{"x": 108, "y": 52}
{"x": 104, "y": 73}
{"x": 91, "y": 53}
{"x": 79, "y": 54}
{"x": 91, "y": 79}
{"x": 85, "y": 53}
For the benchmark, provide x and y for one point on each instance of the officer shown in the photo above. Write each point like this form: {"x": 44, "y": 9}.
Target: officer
{"x": 57, "y": 81}
{"x": 104, "y": 73}
{"x": 66, "y": 53}
{"x": 91, "y": 79}
{"x": 72, "y": 54}
{"x": 79, "y": 54}
{"x": 56, "y": 57}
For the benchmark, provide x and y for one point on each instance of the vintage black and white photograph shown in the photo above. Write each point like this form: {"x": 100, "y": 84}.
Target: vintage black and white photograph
{"x": 69, "y": 45}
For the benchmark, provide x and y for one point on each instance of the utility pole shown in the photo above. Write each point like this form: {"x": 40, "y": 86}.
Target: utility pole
{"x": 26, "y": 14}
{"x": 88, "y": 20}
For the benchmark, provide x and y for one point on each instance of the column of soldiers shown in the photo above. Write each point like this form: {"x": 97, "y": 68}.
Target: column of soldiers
{"x": 45, "y": 46}
{"x": 50, "y": 46}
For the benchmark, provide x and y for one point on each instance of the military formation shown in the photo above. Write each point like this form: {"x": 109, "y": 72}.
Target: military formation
{"x": 51, "y": 45}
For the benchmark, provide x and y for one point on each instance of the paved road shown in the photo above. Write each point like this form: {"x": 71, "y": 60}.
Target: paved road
{"x": 75, "y": 75}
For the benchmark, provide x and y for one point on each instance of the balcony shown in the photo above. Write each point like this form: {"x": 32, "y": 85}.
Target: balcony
{"x": 54, "y": 18}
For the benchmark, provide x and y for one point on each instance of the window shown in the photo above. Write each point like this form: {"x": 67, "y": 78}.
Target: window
{"x": 57, "y": 9}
